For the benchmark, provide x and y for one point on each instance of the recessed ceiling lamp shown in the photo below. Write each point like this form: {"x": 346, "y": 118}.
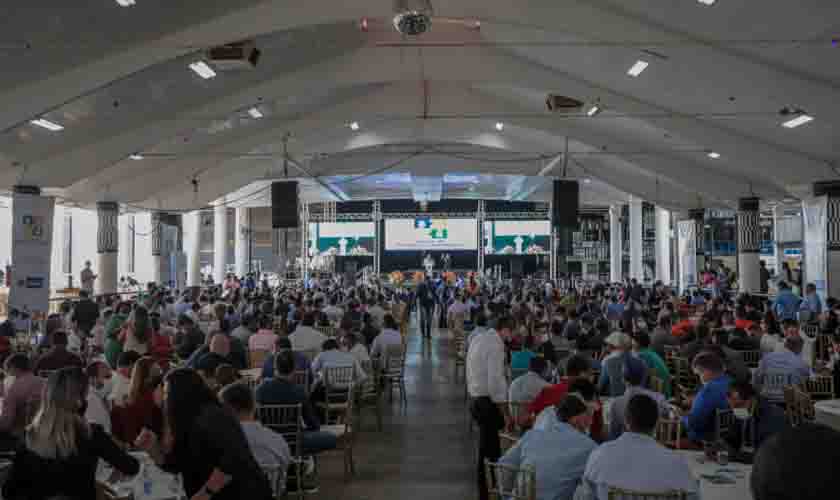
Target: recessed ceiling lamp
{"x": 203, "y": 69}
{"x": 135, "y": 156}
{"x": 126, "y": 3}
{"x": 354, "y": 126}
{"x": 255, "y": 113}
{"x": 500, "y": 126}
{"x": 801, "y": 119}
{"x": 713, "y": 155}
{"x": 587, "y": 180}
{"x": 637, "y": 68}
{"x": 707, "y": 2}
{"x": 44, "y": 123}
{"x": 594, "y": 110}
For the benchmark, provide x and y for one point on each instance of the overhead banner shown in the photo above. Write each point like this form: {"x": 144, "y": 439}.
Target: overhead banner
{"x": 32, "y": 229}
{"x": 687, "y": 243}
{"x": 815, "y": 220}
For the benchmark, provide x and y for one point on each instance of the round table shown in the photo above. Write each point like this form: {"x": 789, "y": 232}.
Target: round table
{"x": 828, "y": 413}
{"x": 700, "y": 466}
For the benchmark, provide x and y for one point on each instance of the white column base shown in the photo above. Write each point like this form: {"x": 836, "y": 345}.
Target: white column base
{"x": 107, "y": 273}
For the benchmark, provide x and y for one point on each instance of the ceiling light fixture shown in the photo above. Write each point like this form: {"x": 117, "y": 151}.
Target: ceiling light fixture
{"x": 203, "y": 69}
{"x": 594, "y": 110}
{"x": 354, "y": 126}
{"x": 500, "y": 126}
{"x": 707, "y": 2}
{"x": 713, "y": 155}
{"x": 802, "y": 119}
{"x": 637, "y": 68}
{"x": 135, "y": 156}
{"x": 255, "y": 113}
{"x": 44, "y": 123}
{"x": 126, "y": 3}
{"x": 587, "y": 180}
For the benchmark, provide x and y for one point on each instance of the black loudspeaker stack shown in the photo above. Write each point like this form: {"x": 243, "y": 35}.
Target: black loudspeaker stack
{"x": 284, "y": 205}
{"x": 565, "y": 204}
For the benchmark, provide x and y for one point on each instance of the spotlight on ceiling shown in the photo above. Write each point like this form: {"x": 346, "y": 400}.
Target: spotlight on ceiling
{"x": 594, "y": 110}
{"x": 637, "y": 68}
{"x": 707, "y": 2}
{"x": 713, "y": 155}
{"x": 135, "y": 156}
{"x": 255, "y": 113}
{"x": 44, "y": 123}
{"x": 412, "y": 17}
{"x": 354, "y": 126}
{"x": 202, "y": 69}
{"x": 587, "y": 180}
{"x": 126, "y": 3}
{"x": 500, "y": 126}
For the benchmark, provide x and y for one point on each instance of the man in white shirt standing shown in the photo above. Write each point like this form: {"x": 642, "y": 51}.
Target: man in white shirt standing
{"x": 487, "y": 387}
{"x": 635, "y": 461}
{"x": 87, "y": 277}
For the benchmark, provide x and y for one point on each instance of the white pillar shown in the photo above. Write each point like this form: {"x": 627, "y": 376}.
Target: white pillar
{"x": 242, "y": 235}
{"x": 636, "y": 269}
{"x": 107, "y": 240}
{"x": 749, "y": 245}
{"x": 615, "y": 244}
{"x": 663, "y": 245}
{"x": 192, "y": 235}
{"x": 220, "y": 242}
{"x": 157, "y": 247}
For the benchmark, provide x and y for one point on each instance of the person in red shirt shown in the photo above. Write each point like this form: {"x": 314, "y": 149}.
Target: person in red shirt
{"x": 140, "y": 410}
{"x": 577, "y": 367}
{"x": 741, "y": 321}
{"x": 683, "y": 326}
{"x": 161, "y": 343}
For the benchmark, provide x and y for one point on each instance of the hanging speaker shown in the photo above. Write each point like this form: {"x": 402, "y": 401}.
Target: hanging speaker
{"x": 284, "y": 205}
{"x": 565, "y": 204}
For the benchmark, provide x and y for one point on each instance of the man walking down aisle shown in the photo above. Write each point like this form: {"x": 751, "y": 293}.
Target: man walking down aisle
{"x": 487, "y": 387}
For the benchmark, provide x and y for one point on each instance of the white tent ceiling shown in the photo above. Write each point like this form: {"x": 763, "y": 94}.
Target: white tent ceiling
{"x": 117, "y": 80}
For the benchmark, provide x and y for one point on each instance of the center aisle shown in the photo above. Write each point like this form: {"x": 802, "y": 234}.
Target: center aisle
{"x": 424, "y": 450}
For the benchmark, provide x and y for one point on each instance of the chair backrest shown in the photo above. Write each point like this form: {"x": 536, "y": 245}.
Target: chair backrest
{"x": 724, "y": 421}
{"x": 791, "y": 411}
{"x": 338, "y": 377}
{"x": 773, "y": 384}
{"x": 820, "y": 387}
{"x": 683, "y": 374}
{"x": 621, "y": 494}
{"x": 804, "y": 406}
{"x": 257, "y": 358}
{"x": 823, "y": 347}
{"x": 285, "y": 420}
{"x": 276, "y": 475}
{"x": 514, "y": 483}
{"x": 668, "y": 433}
{"x": 811, "y": 331}
{"x": 751, "y": 358}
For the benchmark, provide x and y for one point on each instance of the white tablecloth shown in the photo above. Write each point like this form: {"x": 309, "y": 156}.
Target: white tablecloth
{"x": 828, "y": 413}
{"x": 165, "y": 486}
{"x": 700, "y": 466}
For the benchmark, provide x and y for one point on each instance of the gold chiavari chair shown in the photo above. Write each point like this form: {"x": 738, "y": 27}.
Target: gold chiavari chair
{"x": 804, "y": 406}
{"x": 819, "y": 388}
{"x": 369, "y": 395}
{"x": 791, "y": 411}
{"x": 301, "y": 378}
{"x": 772, "y": 386}
{"x": 622, "y": 494}
{"x": 724, "y": 421}
{"x": 338, "y": 381}
{"x": 343, "y": 427}
{"x": 394, "y": 373}
{"x": 684, "y": 376}
{"x": 668, "y": 433}
{"x": 508, "y": 482}
{"x": 751, "y": 358}
{"x": 287, "y": 421}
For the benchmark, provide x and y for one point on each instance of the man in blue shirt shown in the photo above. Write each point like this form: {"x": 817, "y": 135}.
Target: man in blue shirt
{"x": 787, "y": 304}
{"x": 558, "y": 448}
{"x": 811, "y": 306}
{"x": 712, "y": 396}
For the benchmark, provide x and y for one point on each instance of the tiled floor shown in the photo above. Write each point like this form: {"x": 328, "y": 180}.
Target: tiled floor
{"x": 424, "y": 450}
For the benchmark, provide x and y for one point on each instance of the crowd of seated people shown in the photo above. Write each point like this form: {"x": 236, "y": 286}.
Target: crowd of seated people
{"x": 639, "y": 346}
{"x": 159, "y": 371}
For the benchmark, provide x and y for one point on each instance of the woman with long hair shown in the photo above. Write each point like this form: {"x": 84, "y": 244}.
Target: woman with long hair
{"x": 60, "y": 450}
{"x": 140, "y": 410}
{"x": 204, "y": 443}
{"x": 137, "y": 334}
